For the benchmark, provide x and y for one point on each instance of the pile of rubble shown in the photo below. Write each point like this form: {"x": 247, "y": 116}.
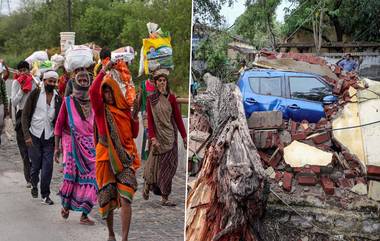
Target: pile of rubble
{"x": 291, "y": 150}
{"x": 314, "y": 167}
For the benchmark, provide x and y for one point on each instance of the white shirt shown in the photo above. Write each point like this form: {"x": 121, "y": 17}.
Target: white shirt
{"x": 43, "y": 116}
{"x": 18, "y": 96}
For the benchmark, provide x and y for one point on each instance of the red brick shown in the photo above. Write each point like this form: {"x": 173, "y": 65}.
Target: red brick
{"x": 278, "y": 176}
{"x": 338, "y": 87}
{"x": 319, "y": 139}
{"x": 324, "y": 147}
{"x": 345, "y": 182}
{"x": 373, "y": 170}
{"x": 347, "y": 155}
{"x": 337, "y": 70}
{"x": 275, "y": 158}
{"x": 328, "y": 185}
{"x": 287, "y": 181}
{"x": 316, "y": 169}
{"x": 307, "y": 180}
{"x": 297, "y": 169}
{"x": 299, "y": 136}
{"x": 264, "y": 157}
{"x": 349, "y": 173}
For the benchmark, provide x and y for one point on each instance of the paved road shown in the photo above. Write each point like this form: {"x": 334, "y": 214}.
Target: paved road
{"x": 24, "y": 218}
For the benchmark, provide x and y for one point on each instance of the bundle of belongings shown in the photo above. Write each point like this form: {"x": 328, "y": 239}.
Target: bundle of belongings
{"x": 78, "y": 56}
{"x": 157, "y": 51}
{"x": 121, "y": 73}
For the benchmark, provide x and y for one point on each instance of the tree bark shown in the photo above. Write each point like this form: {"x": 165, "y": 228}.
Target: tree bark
{"x": 335, "y": 20}
{"x": 229, "y": 196}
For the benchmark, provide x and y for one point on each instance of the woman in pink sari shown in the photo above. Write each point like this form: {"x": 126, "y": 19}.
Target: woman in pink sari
{"x": 75, "y": 127}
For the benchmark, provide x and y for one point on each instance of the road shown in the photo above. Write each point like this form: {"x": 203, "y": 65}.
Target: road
{"x": 23, "y": 218}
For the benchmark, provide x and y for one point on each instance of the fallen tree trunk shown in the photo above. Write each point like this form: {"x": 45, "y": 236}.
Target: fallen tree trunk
{"x": 229, "y": 196}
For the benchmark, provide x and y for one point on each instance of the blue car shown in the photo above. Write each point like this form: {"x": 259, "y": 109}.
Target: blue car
{"x": 299, "y": 96}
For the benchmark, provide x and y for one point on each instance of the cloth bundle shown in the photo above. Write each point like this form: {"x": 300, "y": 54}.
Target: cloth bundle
{"x": 78, "y": 57}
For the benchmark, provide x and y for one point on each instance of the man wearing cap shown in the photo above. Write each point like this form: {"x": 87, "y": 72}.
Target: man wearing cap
{"x": 348, "y": 63}
{"x": 38, "y": 120}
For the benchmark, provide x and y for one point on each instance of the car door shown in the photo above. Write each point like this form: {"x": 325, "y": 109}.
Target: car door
{"x": 263, "y": 91}
{"x": 305, "y": 97}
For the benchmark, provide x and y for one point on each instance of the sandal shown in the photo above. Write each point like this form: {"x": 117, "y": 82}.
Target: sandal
{"x": 111, "y": 239}
{"x": 168, "y": 203}
{"x": 86, "y": 221}
{"x": 65, "y": 213}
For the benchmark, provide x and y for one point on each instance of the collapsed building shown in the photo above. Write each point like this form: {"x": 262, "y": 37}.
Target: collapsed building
{"x": 324, "y": 177}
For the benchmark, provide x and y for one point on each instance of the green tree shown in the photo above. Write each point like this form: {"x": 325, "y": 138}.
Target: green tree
{"x": 357, "y": 19}
{"x": 37, "y": 24}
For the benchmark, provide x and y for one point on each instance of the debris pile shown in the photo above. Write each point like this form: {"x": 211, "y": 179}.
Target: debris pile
{"x": 313, "y": 153}
{"x": 313, "y": 167}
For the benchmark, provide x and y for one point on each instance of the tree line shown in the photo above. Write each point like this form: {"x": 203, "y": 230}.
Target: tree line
{"x": 116, "y": 23}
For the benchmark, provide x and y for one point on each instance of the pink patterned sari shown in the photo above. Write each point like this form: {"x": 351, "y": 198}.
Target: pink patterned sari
{"x": 79, "y": 188}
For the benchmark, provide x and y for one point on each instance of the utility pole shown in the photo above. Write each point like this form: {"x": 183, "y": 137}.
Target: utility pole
{"x": 69, "y": 3}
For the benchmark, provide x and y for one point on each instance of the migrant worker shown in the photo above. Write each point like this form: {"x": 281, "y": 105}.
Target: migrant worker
{"x": 69, "y": 84}
{"x": 75, "y": 127}
{"x": 348, "y": 63}
{"x": 4, "y": 74}
{"x": 38, "y": 120}
{"x": 164, "y": 120}
{"x": 22, "y": 86}
{"x": 116, "y": 153}
{"x": 104, "y": 55}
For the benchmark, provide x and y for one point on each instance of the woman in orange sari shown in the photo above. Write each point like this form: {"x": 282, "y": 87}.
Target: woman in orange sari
{"x": 116, "y": 153}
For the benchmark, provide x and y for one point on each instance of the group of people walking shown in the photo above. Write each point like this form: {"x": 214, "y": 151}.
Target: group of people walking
{"x": 90, "y": 124}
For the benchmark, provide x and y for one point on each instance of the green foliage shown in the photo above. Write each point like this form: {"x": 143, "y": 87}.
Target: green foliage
{"x": 356, "y": 18}
{"x": 36, "y": 26}
{"x": 257, "y": 22}
{"x": 208, "y": 11}
{"x": 213, "y": 51}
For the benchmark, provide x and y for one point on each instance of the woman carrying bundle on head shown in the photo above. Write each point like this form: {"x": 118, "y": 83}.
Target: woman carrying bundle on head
{"x": 164, "y": 120}
{"x": 75, "y": 127}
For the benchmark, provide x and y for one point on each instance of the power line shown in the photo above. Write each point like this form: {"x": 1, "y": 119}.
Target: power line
{"x": 306, "y": 20}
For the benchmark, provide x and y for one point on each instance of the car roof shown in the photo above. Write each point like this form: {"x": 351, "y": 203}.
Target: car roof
{"x": 263, "y": 72}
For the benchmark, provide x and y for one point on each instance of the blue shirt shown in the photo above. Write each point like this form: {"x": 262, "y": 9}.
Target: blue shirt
{"x": 348, "y": 65}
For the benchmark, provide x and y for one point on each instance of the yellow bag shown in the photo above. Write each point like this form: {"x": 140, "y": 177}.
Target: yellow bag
{"x": 157, "y": 54}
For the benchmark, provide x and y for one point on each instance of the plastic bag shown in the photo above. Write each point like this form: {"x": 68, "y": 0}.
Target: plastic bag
{"x": 37, "y": 56}
{"x": 78, "y": 57}
{"x": 45, "y": 66}
{"x": 57, "y": 60}
{"x": 158, "y": 53}
{"x": 127, "y": 54}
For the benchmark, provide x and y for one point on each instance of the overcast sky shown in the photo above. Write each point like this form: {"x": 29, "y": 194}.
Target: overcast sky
{"x": 238, "y": 8}
{"x": 13, "y": 3}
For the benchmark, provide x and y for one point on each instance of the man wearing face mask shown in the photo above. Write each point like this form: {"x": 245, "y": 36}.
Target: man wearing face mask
{"x": 38, "y": 120}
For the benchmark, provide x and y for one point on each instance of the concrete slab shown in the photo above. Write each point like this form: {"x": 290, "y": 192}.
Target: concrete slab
{"x": 298, "y": 154}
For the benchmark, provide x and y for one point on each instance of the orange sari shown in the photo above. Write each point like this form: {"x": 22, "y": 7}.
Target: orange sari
{"x": 117, "y": 159}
